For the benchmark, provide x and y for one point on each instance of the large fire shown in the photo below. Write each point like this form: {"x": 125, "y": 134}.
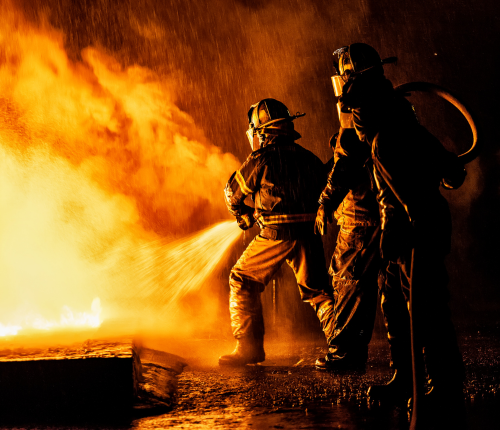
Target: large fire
{"x": 99, "y": 173}
{"x": 68, "y": 319}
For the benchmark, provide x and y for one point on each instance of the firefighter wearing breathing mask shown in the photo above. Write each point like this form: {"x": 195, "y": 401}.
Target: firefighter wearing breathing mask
{"x": 350, "y": 195}
{"x": 409, "y": 165}
{"x": 284, "y": 181}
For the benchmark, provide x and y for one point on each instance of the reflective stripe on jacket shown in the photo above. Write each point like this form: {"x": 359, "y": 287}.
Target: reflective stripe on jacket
{"x": 284, "y": 180}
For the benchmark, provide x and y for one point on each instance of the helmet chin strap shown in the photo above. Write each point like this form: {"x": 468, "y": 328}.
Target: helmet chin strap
{"x": 258, "y": 137}
{"x": 267, "y": 132}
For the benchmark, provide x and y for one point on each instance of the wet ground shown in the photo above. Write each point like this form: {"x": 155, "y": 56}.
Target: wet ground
{"x": 285, "y": 392}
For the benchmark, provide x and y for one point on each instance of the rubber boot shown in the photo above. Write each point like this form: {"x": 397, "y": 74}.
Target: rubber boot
{"x": 334, "y": 363}
{"x": 335, "y": 359}
{"x": 248, "y": 350}
{"x": 398, "y": 390}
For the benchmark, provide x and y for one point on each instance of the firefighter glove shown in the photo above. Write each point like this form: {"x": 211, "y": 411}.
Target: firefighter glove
{"x": 245, "y": 221}
{"x": 322, "y": 218}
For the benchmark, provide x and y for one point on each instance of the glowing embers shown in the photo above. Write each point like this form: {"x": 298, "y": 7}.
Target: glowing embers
{"x": 68, "y": 319}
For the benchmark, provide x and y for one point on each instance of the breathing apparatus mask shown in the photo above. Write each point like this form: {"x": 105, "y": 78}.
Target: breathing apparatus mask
{"x": 338, "y": 81}
{"x": 350, "y": 62}
{"x": 269, "y": 117}
{"x": 354, "y": 60}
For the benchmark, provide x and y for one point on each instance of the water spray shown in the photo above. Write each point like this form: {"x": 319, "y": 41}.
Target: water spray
{"x": 168, "y": 272}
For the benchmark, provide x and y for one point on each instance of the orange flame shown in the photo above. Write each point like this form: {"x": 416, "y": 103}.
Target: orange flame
{"x": 70, "y": 319}
{"x": 96, "y": 162}
{"x": 67, "y": 319}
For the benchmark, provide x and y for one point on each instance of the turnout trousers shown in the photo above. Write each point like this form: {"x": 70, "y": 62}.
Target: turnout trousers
{"x": 436, "y": 333}
{"x": 354, "y": 268}
{"x": 257, "y": 265}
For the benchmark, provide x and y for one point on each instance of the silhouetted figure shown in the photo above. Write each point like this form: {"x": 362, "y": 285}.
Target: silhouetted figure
{"x": 409, "y": 165}
{"x": 351, "y": 193}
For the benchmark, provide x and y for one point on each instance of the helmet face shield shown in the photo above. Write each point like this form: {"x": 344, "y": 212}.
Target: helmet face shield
{"x": 346, "y": 68}
{"x": 350, "y": 62}
{"x": 253, "y": 138}
{"x": 251, "y": 128}
{"x": 338, "y": 83}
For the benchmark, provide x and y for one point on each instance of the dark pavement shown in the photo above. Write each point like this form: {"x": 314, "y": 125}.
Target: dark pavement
{"x": 285, "y": 392}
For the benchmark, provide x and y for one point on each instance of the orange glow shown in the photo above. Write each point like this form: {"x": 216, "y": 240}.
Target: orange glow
{"x": 68, "y": 319}
{"x": 71, "y": 319}
{"x": 98, "y": 168}
{"x": 9, "y": 330}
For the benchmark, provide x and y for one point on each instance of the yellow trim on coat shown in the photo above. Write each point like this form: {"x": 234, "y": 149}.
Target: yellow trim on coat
{"x": 286, "y": 219}
{"x": 242, "y": 183}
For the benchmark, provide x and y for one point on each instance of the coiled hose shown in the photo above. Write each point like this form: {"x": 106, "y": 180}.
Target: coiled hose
{"x": 427, "y": 87}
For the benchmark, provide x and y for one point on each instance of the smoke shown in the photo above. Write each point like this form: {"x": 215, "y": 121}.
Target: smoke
{"x": 96, "y": 161}
{"x": 119, "y": 124}
{"x": 221, "y": 57}
{"x": 128, "y": 96}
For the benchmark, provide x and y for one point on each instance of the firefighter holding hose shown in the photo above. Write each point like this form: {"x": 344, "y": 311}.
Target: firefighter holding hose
{"x": 409, "y": 164}
{"x": 284, "y": 181}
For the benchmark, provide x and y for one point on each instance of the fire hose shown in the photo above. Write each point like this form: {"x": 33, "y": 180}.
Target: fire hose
{"x": 426, "y": 87}
{"x": 417, "y": 354}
